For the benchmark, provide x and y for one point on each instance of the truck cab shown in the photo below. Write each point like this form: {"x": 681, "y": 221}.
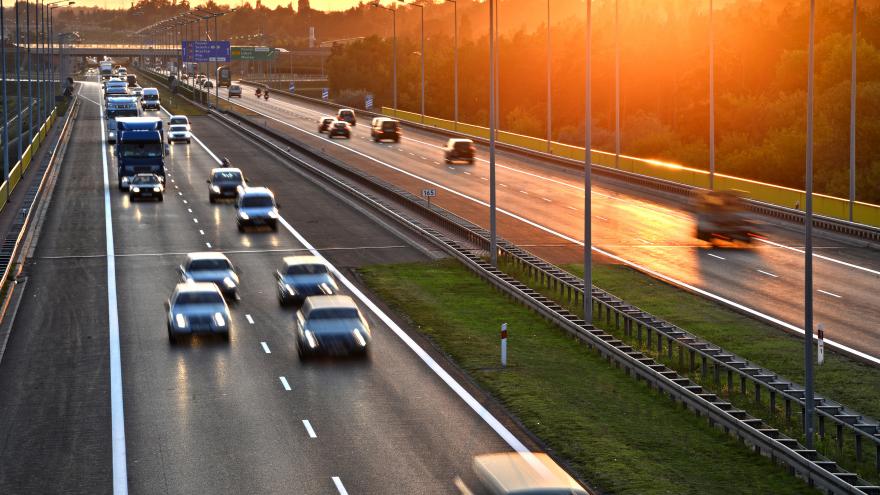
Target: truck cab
{"x": 116, "y": 108}
{"x": 140, "y": 148}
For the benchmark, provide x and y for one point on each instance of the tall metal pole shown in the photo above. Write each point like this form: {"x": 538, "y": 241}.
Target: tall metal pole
{"x": 216, "y": 66}
{"x": 29, "y": 74}
{"x": 394, "y": 49}
{"x": 497, "y": 65}
{"x": 493, "y": 240}
{"x": 422, "y": 7}
{"x": 41, "y": 101}
{"x": 711, "y": 96}
{"x": 808, "y": 250}
{"x": 852, "y": 114}
{"x": 5, "y": 100}
{"x": 549, "y": 86}
{"x": 588, "y": 163}
{"x": 616, "y": 84}
{"x": 18, "y": 76}
{"x": 455, "y": 61}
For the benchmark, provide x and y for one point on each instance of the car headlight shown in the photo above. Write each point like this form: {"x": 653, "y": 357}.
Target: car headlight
{"x": 126, "y": 180}
{"x": 216, "y": 189}
{"x": 310, "y": 338}
{"x": 359, "y": 338}
{"x": 243, "y": 215}
{"x": 180, "y": 320}
{"x": 157, "y": 188}
{"x": 229, "y": 283}
{"x": 273, "y": 214}
{"x": 219, "y": 320}
{"x": 135, "y": 189}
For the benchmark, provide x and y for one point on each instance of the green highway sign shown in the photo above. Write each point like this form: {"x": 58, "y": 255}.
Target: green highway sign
{"x": 253, "y": 53}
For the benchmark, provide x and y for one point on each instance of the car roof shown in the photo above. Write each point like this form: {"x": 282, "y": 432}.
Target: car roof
{"x": 323, "y": 302}
{"x": 121, "y": 99}
{"x": 179, "y": 117}
{"x": 151, "y": 90}
{"x": 459, "y": 140}
{"x": 194, "y": 287}
{"x": 224, "y": 169}
{"x": 528, "y": 472}
{"x": 345, "y": 110}
{"x": 302, "y": 260}
{"x": 328, "y": 117}
{"x": 206, "y": 255}
{"x": 257, "y": 191}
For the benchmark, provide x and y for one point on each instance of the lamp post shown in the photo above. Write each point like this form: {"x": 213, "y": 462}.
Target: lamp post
{"x": 18, "y": 74}
{"x": 5, "y": 101}
{"x": 616, "y": 83}
{"x": 588, "y": 162}
{"x": 808, "y": 246}
{"x": 549, "y": 86}
{"x": 455, "y": 60}
{"x": 60, "y": 68}
{"x": 493, "y": 240}
{"x": 852, "y": 113}
{"x": 215, "y": 15}
{"x": 711, "y": 96}
{"x": 27, "y": 10}
{"x": 422, "y": 54}
{"x": 393, "y": 51}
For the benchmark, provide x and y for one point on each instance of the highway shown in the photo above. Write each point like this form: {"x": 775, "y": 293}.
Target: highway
{"x": 209, "y": 416}
{"x": 541, "y": 208}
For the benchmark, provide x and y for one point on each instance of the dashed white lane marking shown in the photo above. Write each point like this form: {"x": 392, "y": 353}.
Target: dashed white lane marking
{"x": 451, "y": 168}
{"x": 195, "y": 220}
{"x": 438, "y": 163}
{"x": 249, "y": 318}
{"x": 768, "y": 274}
{"x": 643, "y": 241}
{"x": 284, "y": 383}
{"x": 189, "y": 210}
{"x": 184, "y": 202}
{"x": 339, "y": 487}
{"x": 600, "y": 217}
{"x": 309, "y": 429}
{"x": 208, "y": 244}
{"x": 523, "y": 192}
{"x": 412, "y": 154}
{"x": 716, "y": 256}
{"x": 502, "y": 184}
{"x": 830, "y": 293}
{"x": 547, "y": 199}
{"x": 572, "y": 208}
{"x": 202, "y": 232}
{"x": 179, "y": 193}
{"x": 466, "y": 173}
{"x": 265, "y": 348}
{"x": 821, "y": 257}
{"x": 484, "y": 178}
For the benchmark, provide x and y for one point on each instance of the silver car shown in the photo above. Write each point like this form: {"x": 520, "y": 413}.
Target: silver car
{"x": 304, "y": 276}
{"x": 256, "y": 206}
{"x": 211, "y": 267}
{"x": 331, "y": 325}
{"x": 197, "y": 307}
{"x": 178, "y": 132}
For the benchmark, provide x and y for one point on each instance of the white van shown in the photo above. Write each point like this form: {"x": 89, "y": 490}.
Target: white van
{"x": 150, "y": 99}
{"x": 119, "y": 107}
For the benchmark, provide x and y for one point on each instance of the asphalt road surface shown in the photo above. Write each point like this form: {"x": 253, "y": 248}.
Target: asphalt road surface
{"x": 208, "y": 416}
{"x": 653, "y": 232}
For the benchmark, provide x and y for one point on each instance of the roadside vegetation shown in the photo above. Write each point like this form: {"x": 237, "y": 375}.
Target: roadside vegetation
{"x": 620, "y": 436}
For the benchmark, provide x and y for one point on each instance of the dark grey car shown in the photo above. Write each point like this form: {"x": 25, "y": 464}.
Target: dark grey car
{"x": 303, "y": 276}
{"x": 197, "y": 307}
{"x": 211, "y": 267}
{"x": 331, "y": 325}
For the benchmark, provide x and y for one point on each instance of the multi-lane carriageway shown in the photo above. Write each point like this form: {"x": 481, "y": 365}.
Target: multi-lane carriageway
{"x": 541, "y": 208}
{"x": 211, "y": 416}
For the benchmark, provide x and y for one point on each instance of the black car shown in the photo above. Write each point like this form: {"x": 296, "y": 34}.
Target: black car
{"x": 224, "y": 183}
{"x": 324, "y": 123}
{"x": 303, "y": 276}
{"x": 339, "y": 128}
{"x": 146, "y": 186}
{"x": 459, "y": 150}
{"x": 347, "y": 115}
{"x": 384, "y": 128}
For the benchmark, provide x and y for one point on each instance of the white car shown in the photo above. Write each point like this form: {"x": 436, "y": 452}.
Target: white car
{"x": 180, "y": 120}
{"x": 179, "y": 132}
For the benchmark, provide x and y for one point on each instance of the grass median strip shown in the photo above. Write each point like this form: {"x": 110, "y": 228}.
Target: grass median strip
{"x": 619, "y": 435}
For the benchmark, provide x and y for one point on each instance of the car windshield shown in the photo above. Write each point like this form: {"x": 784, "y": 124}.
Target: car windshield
{"x": 178, "y": 128}
{"x": 141, "y": 150}
{"x": 210, "y": 264}
{"x": 144, "y": 179}
{"x": 334, "y": 314}
{"x": 389, "y": 126}
{"x": 234, "y": 88}
{"x": 227, "y": 177}
{"x": 310, "y": 269}
{"x": 125, "y": 112}
{"x": 199, "y": 298}
{"x": 346, "y": 113}
{"x": 341, "y": 125}
{"x": 462, "y": 145}
{"x": 257, "y": 201}
{"x": 178, "y": 120}
{"x": 151, "y": 97}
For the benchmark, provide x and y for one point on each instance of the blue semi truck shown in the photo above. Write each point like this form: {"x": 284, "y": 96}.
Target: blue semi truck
{"x": 140, "y": 148}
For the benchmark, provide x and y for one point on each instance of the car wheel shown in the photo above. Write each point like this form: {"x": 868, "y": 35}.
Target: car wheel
{"x": 171, "y": 337}
{"x": 274, "y": 226}
{"x": 212, "y": 199}
{"x": 225, "y": 336}
{"x": 397, "y": 140}
{"x": 303, "y": 355}
{"x": 161, "y": 197}
{"x": 188, "y": 141}
{"x": 240, "y": 228}
{"x": 471, "y": 161}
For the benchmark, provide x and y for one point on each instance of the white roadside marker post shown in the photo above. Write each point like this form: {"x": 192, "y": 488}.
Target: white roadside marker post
{"x": 820, "y": 355}
{"x": 504, "y": 345}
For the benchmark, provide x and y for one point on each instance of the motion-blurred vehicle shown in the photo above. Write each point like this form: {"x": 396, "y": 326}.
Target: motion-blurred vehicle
{"x": 224, "y": 183}
{"x": 118, "y": 107}
{"x": 385, "y": 128}
{"x": 526, "y": 473}
{"x": 207, "y": 84}
{"x": 235, "y": 91}
{"x": 331, "y": 325}
{"x": 347, "y": 115}
{"x": 179, "y": 132}
{"x": 256, "y": 206}
{"x": 150, "y": 99}
{"x": 339, "y": 128}
{"x": 266, "y": 95}
{"x": 140, "y": 148}
{"x": 137, "y": 92}
{"x": 721, "y": 215}
{"x": 324, "y": 123}
{"x": 115, "y": 91}
{"x": 180, "y": 120}
{"x": 132, "y": 80}
{"x": 303, "y": 276}
{"x": 211, "y": 267}
{"x": 259, "y": 92}
{"x": 458, "y": 149}
{"x": 224, "y": 76}
{"x": 146, "y": 186}
{"x": 197, "y": 307}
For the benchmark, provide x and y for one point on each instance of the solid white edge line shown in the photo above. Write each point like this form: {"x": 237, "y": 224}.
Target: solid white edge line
{"x": 265, "y": 348}
{"x": 284, "y": 383}
{"x": 716, "y": 256}
{"x": 339, "y": 487}
{"x": 822, "y": 257}
{"x": 829, "y": 293}
{"x": 768, "y": 274}
{"x": 309, "y": 429}
{"x": 117, "y": 418}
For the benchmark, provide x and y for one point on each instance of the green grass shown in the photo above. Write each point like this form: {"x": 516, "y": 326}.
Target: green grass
{"x": 618, "y": 434}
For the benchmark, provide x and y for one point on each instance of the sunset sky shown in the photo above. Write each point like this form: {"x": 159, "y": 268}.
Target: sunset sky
{"x": 316, "y": 4}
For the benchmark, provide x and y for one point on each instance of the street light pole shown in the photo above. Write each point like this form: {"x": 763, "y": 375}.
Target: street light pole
{"x": 711, "y": 96}
{"x": 27, "y": 11}
{"x": 422, "y": 7}
{"x": 549, "y": 87}
{"x": 493, "y": 240}
{"x": 808, "y": 250}
{"x": 616, "y": 83}
{"x": 455, "y": 60}
{"x": 394, "y": 53}
{"x": 5, "y": 100}
{"x": 852, "y": 113}
{"x": 588, "y": 163}
{"x": 18, "y": 74}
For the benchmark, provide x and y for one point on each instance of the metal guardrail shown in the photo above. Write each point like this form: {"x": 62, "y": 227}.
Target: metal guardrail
{"x": 859, "y": 231}
{"x": 812, "y": 466}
